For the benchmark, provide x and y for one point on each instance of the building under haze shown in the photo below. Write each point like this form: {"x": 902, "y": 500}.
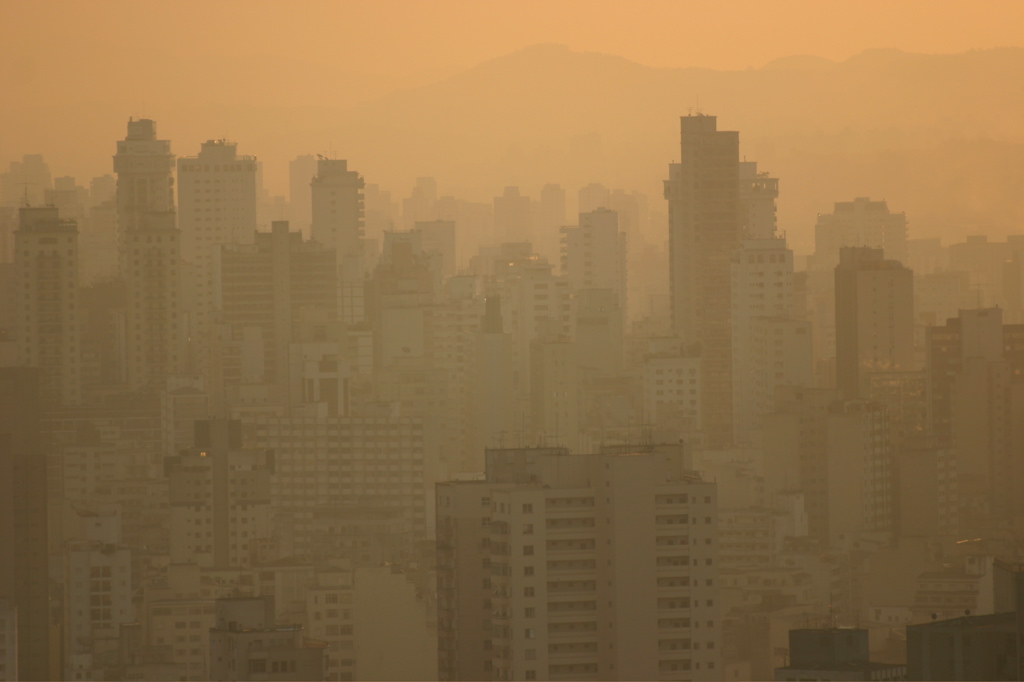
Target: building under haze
{"x": 25, "y": 523}
{"x": 703, "y": 192}
{"x": 860, "y": 222}
{"x": 874, "y": 318}
{"x": 219, "y": 497}
{"x": 216, "y": 207}
{"x": 264, "y": 288}
{"x": 47, "y": 319}
{"x": 559, "y": 566}
{"x": 301, "y": 171}
{"x": 154, "y": 339}
{"x": 145, "y": 178}
{"x": 337, "y": 222}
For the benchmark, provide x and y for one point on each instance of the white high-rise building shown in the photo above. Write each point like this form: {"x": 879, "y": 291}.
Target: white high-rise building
{"x": 46, "y": 264}
{"x": 560, "y": 566}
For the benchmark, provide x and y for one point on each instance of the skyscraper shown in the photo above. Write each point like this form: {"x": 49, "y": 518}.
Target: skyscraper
{"x": 219, "y": 496}
{"x": 301, "y": 171}
{"x": 703, "y": 192}
{"x": 216, "y": 206}
{"x": 145, "y": 181}
{"x": 560, "y": 566}
{"x": 46, "y": 259}
{"x": 154, "y": 343}
{"x": 874, "y": 317}
{"x": 338, "y": 223}
{"x": 24, "y": 527}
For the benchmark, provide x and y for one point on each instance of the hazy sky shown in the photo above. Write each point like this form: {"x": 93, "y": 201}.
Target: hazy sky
{"x": 71, "y": 72}
{"x": 404, "y": 37}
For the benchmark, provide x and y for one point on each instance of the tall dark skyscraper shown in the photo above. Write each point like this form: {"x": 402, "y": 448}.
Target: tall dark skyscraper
{"x": 703, "y": 192}
{"x": 24, "y": 569}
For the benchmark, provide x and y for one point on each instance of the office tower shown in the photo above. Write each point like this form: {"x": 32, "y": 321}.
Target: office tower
{"x": 183, "y": 403}
{"x": 512, "y": 216}
{"x": 559, "y": 566}
{"x": 494, "y": 401}
{"x": 420, "y": 206}
{"x": 371, "y": 468}
{"x": 405, "y": 288}
{"x": 592, "y": 197}
{"x": 438, "y": 236}
{"x": 220, "y": 497}
{"x": 594, "y": 254}
{"x": 858, "y": 472}
{"x": 265, "y": 286}
{"x": 337, "y": 194}
{"x": 25, "y": 183}
{"x": 703, "y": 192}
{"x": 216, "y": 206}
{"x": 926, "y": 490}
{"x": 46, "y": 263}
{"x": 68, "y": 198}
{"x": 598, "y": 332}
{"x": 301, "y": 171}
{"x": 874, "y": 307}
{"x": 534, "y": 301}
{"x": 834, "y": 653}
{"x": 247, "y": 643}
{"x": 382, "y": 212}
{"x": 758, "y": 192}
{"x": 781, "y": 353}
{"x": 671, "y": 388}
{"x": 554, "y": 391}
{"x": 145, "y": 181}
{"x": 863, "y": 223}
{"x": 24, "y": 522}
{"x": 154, "y": 330}
{"x": 795, "y": 442}
{"x": 768, "y": 347}
{"x": 329, "y": 613}
{"x": 551, "y": 216}
{"x": 979, "y": 333}
{"x": 8, "y": 640}
{"x": 97, "y": 595}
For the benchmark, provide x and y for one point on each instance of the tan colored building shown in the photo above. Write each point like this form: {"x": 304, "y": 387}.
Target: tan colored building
{"x": 46, "y": 264}
{"x": 562, "y": 566}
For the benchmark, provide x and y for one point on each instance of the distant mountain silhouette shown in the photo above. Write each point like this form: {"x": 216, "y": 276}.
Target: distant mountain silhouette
{"x": 938, "y": 136}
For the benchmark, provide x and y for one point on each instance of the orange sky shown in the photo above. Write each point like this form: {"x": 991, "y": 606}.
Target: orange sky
{"x": 404, "y": 37}
{"x": 72, "y": 71}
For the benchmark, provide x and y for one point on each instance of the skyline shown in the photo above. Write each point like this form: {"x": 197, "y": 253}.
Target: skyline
{"x": 511, "y": 341}
{"x": 221, "y": 72}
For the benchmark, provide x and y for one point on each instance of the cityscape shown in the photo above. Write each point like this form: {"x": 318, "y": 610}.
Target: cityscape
{"x": 672, "y": 371}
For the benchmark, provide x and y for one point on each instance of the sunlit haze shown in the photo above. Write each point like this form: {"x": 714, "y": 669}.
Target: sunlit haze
{"x": 489, "y": 340}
